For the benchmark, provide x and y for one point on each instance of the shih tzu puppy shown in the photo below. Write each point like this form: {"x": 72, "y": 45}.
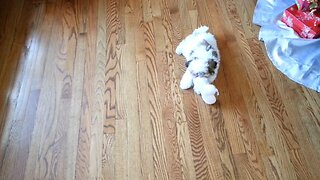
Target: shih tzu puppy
{"x": 202, "y": 61}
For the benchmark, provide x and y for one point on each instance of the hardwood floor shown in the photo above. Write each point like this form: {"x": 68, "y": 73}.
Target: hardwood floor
{"x": 90, "y": 90}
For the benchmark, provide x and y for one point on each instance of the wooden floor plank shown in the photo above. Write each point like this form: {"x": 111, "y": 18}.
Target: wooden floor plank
{"x": 90, "y": 90}
{"x": 85, "y": 139}
{"x": 10, "y": 17}
{"x": 16, "y": 138}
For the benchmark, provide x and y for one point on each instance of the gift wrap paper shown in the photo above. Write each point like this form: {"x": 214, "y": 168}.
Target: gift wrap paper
{"x": 306, "y": 25}
{"x": 297, "y": 58}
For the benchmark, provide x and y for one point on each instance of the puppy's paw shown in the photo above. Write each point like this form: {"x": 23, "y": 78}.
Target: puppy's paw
{"x": 185, "y": 84}
{"x": 186, "y": 80}
{"x": 209, "y": 93}
{"x": 209, "y": 99}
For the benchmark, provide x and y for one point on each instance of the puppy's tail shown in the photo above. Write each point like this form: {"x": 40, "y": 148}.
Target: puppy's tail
{"x": 200, "y": 30}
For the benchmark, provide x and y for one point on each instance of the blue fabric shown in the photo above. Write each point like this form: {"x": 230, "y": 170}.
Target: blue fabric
{"x": 297, "y": 58}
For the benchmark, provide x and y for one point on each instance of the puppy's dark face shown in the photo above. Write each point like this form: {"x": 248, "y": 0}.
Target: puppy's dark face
{"x": 212, "y": 63}
{"x": 212, "y": 66}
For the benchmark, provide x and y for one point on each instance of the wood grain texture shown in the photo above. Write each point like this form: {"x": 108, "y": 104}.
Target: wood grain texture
{"x": 90, "y": 90}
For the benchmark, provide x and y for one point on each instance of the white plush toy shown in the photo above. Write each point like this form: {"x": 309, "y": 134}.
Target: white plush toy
{"x": 202, "y": 61}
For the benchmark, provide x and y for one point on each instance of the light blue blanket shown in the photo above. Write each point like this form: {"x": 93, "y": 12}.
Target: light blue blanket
{"x": 297, "y": 58}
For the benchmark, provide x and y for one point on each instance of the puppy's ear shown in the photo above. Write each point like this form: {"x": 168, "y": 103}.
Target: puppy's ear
{"x": 210, "y": 39}
{"x": 205, "y": 43}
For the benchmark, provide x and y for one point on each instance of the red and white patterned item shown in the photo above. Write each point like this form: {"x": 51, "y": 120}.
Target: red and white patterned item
{"x": 308, "y": 5}
{"x": 306, "y": 24}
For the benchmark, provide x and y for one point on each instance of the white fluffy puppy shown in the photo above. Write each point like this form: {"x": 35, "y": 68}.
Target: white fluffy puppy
{"x": 202, "y": 61}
